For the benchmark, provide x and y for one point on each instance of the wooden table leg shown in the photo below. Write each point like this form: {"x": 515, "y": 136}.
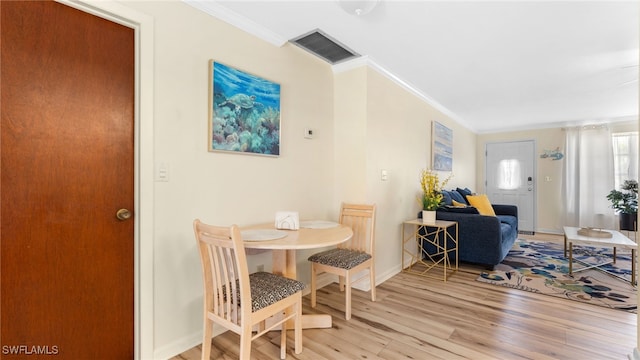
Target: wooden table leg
{"x": 284, "y": 263}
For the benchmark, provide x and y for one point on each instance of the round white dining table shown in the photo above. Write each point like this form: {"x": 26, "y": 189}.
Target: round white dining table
{"x": 284, "y": 251}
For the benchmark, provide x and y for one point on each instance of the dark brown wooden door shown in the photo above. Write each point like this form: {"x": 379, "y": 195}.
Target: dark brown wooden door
{"x": 67, "y": 164}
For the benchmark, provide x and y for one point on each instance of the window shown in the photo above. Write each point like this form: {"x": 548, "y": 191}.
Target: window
{"x": 625, "y": 157}
{"x": 509, "y": 174}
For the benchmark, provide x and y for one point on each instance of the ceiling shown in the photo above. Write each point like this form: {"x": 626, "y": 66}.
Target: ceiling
{"x": 492, "y": 66}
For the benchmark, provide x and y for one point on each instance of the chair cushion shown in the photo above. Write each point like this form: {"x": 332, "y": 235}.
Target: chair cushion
{"x": 340, "y": 258}
{"x": 268, "y": 288}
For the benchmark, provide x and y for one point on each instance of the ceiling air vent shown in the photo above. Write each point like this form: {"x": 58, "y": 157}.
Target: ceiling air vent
{"x": 320, "y": 44}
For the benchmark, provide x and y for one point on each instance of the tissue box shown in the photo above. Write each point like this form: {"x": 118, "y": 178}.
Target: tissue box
{"x": 287, "y": 220}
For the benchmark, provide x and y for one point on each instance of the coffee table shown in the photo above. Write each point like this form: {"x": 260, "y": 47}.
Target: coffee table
{"x": 617, "y": 240}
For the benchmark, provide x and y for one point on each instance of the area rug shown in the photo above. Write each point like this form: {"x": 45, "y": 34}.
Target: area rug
{"x": 541, "y": 267}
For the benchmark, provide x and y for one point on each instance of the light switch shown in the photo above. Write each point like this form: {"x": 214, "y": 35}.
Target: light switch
{"x": 162, "y": 172}
{"x": 384, "y": 175}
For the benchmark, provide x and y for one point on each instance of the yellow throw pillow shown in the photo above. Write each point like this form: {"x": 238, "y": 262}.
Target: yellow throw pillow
{"x": 457, "y": 204}
{"x": 481, "y": 202}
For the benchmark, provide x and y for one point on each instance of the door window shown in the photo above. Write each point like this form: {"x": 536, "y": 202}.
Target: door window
{"x": 509, "y": 174}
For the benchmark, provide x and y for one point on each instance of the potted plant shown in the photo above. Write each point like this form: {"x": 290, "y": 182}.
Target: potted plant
{"x": 431, "y": 194}
{"x": 626, "y": 204}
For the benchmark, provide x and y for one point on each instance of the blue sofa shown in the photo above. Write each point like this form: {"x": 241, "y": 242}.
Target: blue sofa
{"x": 482, "y": 239}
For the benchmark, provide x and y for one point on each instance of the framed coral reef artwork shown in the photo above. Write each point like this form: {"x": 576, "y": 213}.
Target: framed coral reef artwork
{"x": 441, "y": 147}
{"x": 244, "y": 112}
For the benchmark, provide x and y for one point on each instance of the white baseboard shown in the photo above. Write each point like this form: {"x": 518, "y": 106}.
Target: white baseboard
{"x": 177, "y": 347}
{"x": 326, "y": 279}
{"x": 380, "y": 278}
{"x": 550, "y": 231}
{"x": 181, "y": 345}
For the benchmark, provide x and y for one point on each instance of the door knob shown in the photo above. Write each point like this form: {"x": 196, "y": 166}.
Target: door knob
{"x": 123, "y": 214}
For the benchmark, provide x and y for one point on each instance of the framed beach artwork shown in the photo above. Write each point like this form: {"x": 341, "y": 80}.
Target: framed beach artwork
{"x": 441, "y": 147}
{"x": 244, "y": 112}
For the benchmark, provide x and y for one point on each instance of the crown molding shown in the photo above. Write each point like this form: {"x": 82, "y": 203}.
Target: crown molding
{"x": 563, "y": 124}
{"x": 232, "y": 18}
{"x": 220, "y": 12}
{"x": 350, "y": 64}
{"x": 419, "y": 94}
{"x": 367, "y": 61}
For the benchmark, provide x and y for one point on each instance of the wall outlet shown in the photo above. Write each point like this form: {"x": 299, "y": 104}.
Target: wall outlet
{"x": 260, "y": 267}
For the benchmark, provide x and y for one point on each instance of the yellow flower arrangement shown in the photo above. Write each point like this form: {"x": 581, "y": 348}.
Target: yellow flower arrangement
{"x": 431, "y": 189}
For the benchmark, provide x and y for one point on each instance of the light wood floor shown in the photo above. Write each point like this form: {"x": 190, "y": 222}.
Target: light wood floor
{"x": 422, "y": 318}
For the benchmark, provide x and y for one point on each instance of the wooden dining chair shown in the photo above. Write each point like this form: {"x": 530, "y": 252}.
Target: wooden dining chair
{"x": 351, "y": 257}
{"x": 237, "y": 300}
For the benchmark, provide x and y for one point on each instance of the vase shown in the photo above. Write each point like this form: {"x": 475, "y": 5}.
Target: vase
{"x": 428, "y": 216}
{"x": 628, "y": 221}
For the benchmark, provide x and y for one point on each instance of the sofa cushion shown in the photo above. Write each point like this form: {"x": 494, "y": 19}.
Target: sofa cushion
{"x": 509, "y": 220}
{"x": 460, "y": 210}
{"x": 481, "y": 202}
{"x": 446, "y": 198}
{"x": 506, "y": 230}
{"x": 464, "y": 192}
{"x": 455, "y": 195}
{"x": 457, "y": 204}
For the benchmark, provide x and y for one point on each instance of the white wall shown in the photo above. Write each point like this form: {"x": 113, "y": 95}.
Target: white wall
{"x": 225, "y": 188}
{"x": 549, "y": 172}
{"x": 363, "y": 122}
{"x": 382, "y": 126}
{"x": 399, "y": 141}
{"x": 350, "y": 118}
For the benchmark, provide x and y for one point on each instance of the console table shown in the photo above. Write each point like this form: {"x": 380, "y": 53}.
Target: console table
{"x": 435, "y": 234}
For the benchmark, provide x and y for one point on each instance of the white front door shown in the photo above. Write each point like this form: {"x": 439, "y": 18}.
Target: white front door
{"x": 510, "y": 178}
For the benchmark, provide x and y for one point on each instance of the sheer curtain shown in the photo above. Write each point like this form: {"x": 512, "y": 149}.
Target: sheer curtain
{"x": 588, "y": 177}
